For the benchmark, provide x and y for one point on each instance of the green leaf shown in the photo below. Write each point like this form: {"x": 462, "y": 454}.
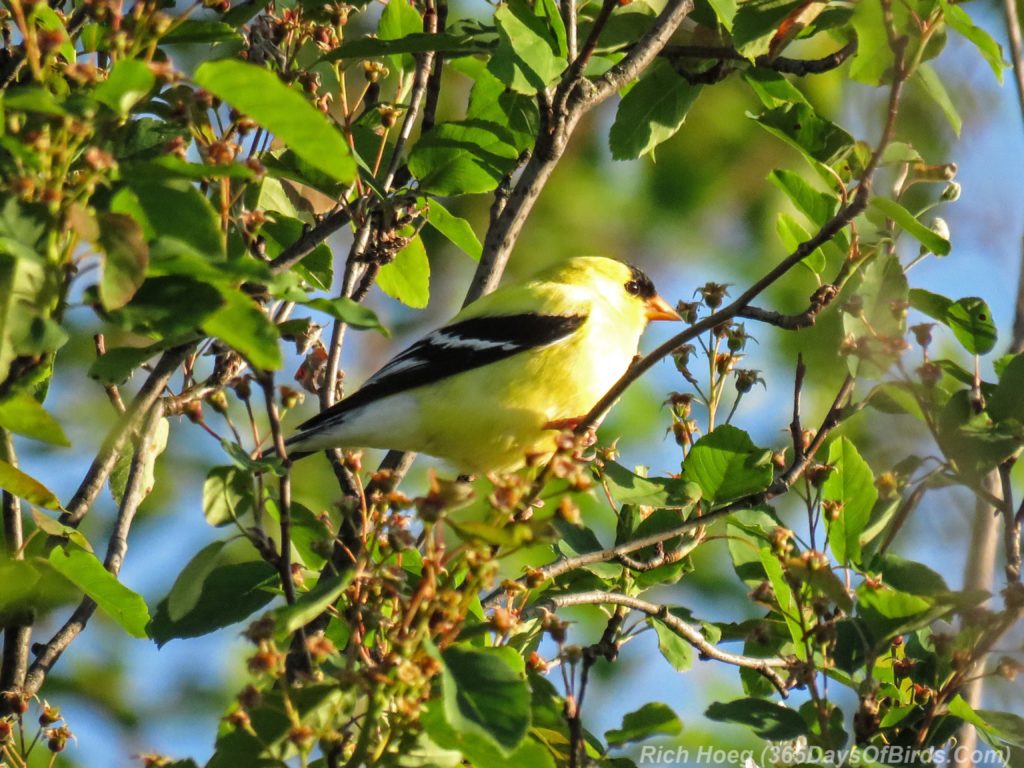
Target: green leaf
{"x": 407, "y": 278}
{"x": 785, "y": 599}
{"x": 116, "y": 365}
{"x": 772, "y": 88}
{"x": 32, "y": 99}
{"x": 87, "y": 573}
{"x": 22, "y": 414}
{"x": 485, "y": 693}
{"x": 456, "y": 229}
{"x": 45, "y": 18}
{"x": 803, "y": 129}
{"x": 958, "y": 19}
{"x": 349, "y": 312}
{"x": 874, "y": 60}
{"x": 653, "y": 719}
{"x": 399, "y": 19}
{"x": 851, "y": 484}
{"x": 308, "y": 606}
{"x": 549, "y": 11}
{"x": 933, "y": 241}
{"x": 491, "y": 102}
{"x": 463, "y": 158}
{"x": 55, "y": 528}
{"x": 284, "y": 112}
{"x": 16, "y": 482}
{"x": 792, "y": 234}
{"x": 756, "y": 22}
{"x": 127, "y": 84}
{"x": 931, "y": 304}
{"x": 971, "y": 322}
{"x": 224, "y": 583}
{"x": 227, "y": 495}
{"x": 725, "y": 10}
{"x": 817, "y": 206}
{"x": 20, "y": 232}
{"x": 652, "y": 112}
{"x": 663, "y": 492}
{"x": 727, "y": 465}
{"x": 157, "y": 443}
{"x": 675, "y": 649}
{"x": 1007, "y": 402}
{"x": 125, "y": 258}
{"x": 935, "y": 88}
{"x": 273, "y": 718}
{"x": 769, "y": 721}
{"x": 241, "y": 324}
{"x": 882, "y": 288}
{"x": 201, "y": 31}
{"x": 31, "y": 589}
{"x": 908, "y": 576}
{"x": 526, "y": 58}
{"x": 451, "y": 744}
{"x": 166, "y": 203}
{"x": 970, "y": 439}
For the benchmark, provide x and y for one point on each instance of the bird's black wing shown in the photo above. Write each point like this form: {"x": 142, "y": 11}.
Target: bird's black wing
{"x": 453, "y": 349}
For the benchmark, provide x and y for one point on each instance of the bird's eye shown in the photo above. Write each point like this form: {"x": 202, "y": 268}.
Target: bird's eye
{"x": 633, "y": 287}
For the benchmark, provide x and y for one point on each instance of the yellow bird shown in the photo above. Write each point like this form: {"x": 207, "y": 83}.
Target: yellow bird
{"x": 495, "y": 383}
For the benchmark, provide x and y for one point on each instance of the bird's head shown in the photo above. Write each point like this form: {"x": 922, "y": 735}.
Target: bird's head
{"x": 626, "y": 288}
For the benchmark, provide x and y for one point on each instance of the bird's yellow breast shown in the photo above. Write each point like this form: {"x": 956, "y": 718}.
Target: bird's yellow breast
{"x": 523, "y": 394}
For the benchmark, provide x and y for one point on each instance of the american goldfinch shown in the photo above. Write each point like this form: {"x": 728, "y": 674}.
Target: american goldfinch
{"x": 494, "y": 384}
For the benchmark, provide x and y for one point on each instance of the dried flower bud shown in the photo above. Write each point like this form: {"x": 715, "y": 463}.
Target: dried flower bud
{"x": 818, "y": 474}
{"x": 374, "y": 71}
{"x": 689, "y": 311}
{"x": 833, "y": 509}
{"x": 951, "y": 193}
{"x": 930, "y": 374}
{"x": 746, "y": 378}
{"x": 779, "y": 459}
{"x": 713, "y": 294}
{"x": 49, "y": 715}
{"x": 853, "y": 305}
{"x": 923, "y": 334}
{"x": 887, "y": 484}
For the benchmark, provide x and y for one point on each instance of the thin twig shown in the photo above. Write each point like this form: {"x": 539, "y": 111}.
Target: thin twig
{"x": 419, "y": 89}
{"x": 310, "y": 239}
{"x": 134, "y": 493}
{"x": 692, "y": 635}
{"x": 113, "y": 393}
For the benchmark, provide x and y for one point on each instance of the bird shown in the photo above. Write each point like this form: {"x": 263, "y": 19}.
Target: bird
{"x": 497, "y": 383}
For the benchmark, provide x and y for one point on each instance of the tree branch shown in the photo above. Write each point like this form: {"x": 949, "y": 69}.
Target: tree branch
{"x": 764, "y": 666}
{"x": 1016, "y": 54}
{"x": 310, "y": 239}
{"x": 16, "y": 636}
{"x": 574, "y": 96}
{"x": 781, "y": 64}
{"x": 134, "y": 493}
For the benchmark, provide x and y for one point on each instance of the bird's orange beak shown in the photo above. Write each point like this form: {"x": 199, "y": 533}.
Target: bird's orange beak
{"x": 659, "y": 309}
